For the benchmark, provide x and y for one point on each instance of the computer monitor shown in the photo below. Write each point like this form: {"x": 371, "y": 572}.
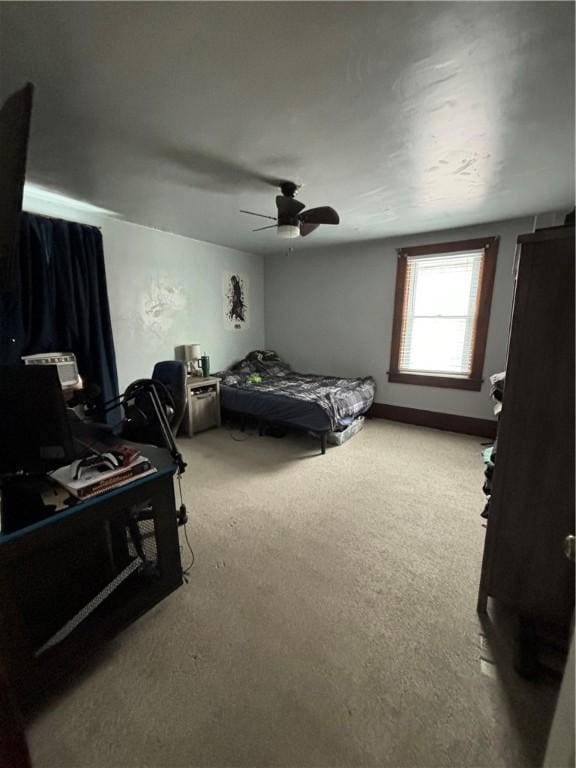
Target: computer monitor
{"x": 35, "y": 434}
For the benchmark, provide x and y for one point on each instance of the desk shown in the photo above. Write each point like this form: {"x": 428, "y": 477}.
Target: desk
{"x": 74, "y": 580}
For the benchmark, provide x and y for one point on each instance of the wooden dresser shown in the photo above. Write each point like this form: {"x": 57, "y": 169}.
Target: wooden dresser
{"x": 532, "y": 506}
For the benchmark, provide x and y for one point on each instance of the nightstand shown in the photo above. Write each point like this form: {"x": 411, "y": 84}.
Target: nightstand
{"x": 202, "y": 405}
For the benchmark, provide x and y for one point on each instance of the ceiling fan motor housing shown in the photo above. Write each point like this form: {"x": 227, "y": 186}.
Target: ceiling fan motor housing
{"x": 288, "y": 221}
{"x": 288, "y": 208}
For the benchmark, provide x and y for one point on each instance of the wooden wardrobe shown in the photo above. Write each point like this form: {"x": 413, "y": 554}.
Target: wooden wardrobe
{"x": 532, "y": 506}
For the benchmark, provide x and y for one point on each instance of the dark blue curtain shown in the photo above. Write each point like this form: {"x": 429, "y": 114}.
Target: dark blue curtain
{"x": 60, "y": 303}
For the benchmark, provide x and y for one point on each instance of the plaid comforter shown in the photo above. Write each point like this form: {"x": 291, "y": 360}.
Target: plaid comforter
{"x": 341, "y": 399}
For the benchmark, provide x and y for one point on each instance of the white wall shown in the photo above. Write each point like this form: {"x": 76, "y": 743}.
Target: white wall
{"x": 166, "y": 290}
{"x": 329, "y": 310}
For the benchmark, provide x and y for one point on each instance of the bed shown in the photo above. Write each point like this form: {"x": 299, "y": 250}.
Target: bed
{"x": 265, "y": 387}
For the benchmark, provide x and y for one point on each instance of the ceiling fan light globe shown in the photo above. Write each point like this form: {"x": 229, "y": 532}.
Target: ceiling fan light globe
{"x": 288, "y": 231}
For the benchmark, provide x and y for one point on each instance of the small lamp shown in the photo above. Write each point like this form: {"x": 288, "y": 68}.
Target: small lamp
{"x": 194, "y": 356}
{"x": 191, "y": 355}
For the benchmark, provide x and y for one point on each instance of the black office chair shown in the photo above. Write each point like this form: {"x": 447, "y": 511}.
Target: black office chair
{"x": 169, "y": 383}
{"x": 172, "y": 373}
{"x": 142, "y": 424}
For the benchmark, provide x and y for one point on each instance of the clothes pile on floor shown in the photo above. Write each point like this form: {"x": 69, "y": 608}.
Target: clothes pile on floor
{"x": 489, "y": 454}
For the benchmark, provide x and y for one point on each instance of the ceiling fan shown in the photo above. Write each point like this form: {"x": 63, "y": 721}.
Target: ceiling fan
{"x": 292, "y": 219}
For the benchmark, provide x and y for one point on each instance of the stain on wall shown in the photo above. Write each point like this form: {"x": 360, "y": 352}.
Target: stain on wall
{"x": 161, "y": 305}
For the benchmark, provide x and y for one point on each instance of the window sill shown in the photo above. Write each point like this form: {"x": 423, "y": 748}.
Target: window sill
{"x": 425, "y": 380}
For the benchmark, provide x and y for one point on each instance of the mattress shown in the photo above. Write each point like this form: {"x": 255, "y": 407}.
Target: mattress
{"x": 277, "y": 408}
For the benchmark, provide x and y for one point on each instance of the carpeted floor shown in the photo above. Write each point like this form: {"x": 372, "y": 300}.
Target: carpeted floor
{"x": 329, "y": 621}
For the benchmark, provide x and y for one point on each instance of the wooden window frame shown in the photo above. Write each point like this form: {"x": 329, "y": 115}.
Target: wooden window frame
{"x": 474, "y": 381}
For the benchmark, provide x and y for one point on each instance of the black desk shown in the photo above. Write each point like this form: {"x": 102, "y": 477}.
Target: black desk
{"x": 75, "y": 579}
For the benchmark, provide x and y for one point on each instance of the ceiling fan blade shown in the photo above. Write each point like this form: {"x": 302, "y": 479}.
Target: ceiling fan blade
{"x": 306, "y": 229}
{"x": 288, "y": 207}
{"x": 270, "y": 226}
{"x": 322, "y": 215}
{"x": 262, "y": 215}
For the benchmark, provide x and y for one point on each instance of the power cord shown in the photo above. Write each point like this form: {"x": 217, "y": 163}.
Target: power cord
{"x": 240, "y": 439}
{"x": 186, "y": 571}
{"x": 183, "y": 521}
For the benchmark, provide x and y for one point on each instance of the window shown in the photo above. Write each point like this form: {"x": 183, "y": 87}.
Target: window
{"x": 441, "y": 313}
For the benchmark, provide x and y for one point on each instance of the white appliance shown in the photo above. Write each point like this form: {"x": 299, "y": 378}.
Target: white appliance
{"x": 65, "y": 363}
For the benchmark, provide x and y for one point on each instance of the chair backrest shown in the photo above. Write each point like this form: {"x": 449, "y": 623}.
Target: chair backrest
{"x": 172, "y": 373}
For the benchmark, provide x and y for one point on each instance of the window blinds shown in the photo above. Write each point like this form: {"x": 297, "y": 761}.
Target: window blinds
{"x": 440, "y": 309}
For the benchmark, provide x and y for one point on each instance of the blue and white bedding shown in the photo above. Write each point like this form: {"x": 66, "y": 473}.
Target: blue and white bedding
{"x": 263, "y": 375}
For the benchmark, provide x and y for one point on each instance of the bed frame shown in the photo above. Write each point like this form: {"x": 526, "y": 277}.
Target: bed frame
{"x": 262, "y": 423}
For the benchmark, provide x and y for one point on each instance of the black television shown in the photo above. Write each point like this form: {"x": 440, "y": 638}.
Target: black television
{"x": 14, "y": 133}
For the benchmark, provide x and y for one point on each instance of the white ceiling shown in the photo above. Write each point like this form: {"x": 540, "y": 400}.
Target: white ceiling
{"x": 404, "y": 116}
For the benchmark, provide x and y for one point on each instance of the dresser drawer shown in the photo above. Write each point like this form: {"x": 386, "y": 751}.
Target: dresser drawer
{"x": 204, "y": 408}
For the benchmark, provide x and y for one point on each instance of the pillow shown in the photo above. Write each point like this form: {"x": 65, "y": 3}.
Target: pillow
{"x": 260, "y": 361}
{"x": 267, "y": 361}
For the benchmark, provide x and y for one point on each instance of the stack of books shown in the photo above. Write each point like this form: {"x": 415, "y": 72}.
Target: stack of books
{"x": 92, "y": 476}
